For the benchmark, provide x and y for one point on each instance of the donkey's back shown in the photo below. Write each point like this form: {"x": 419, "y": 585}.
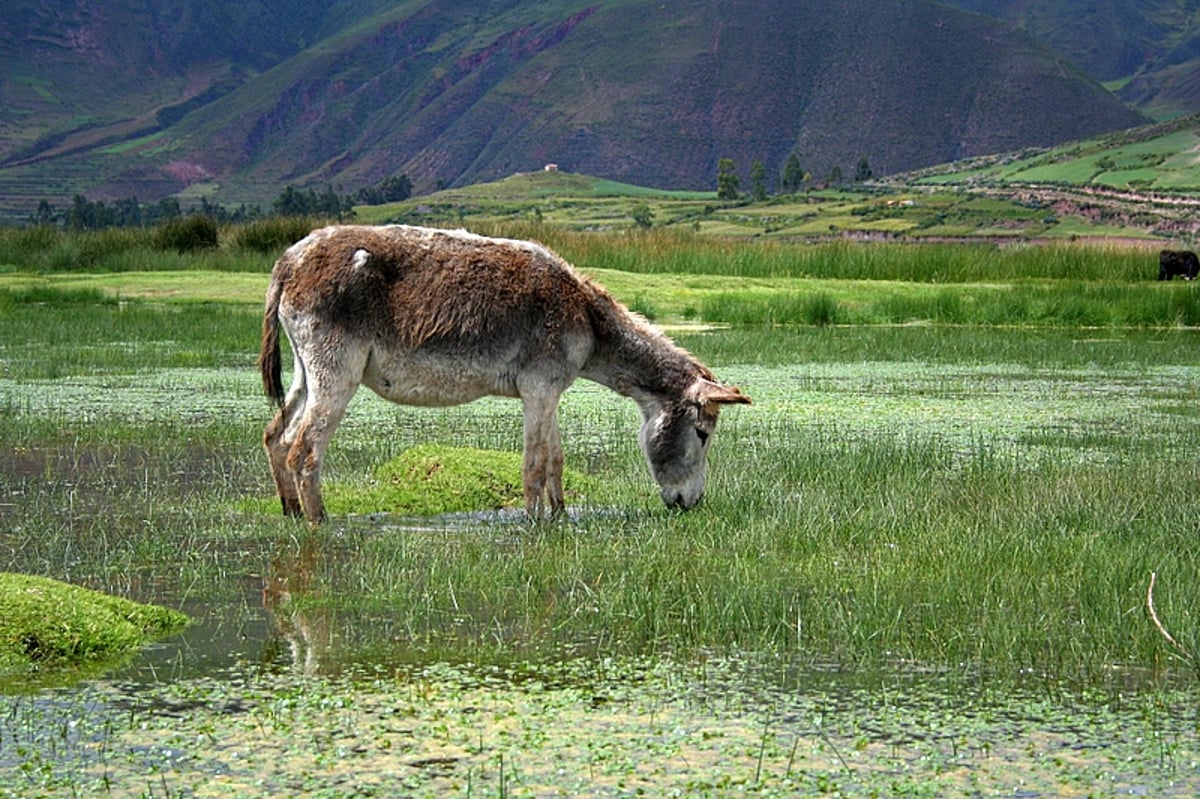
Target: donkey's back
{"x": 440, "y": 317}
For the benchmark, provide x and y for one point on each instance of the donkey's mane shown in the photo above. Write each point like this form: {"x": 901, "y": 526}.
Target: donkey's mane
{"x": 629, "y": 333}
{"x": 613, "y": 323}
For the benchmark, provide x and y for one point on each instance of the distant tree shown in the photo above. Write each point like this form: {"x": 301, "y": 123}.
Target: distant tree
{"x": 396, "y": 188}
{"x": 793, "y": 174}
{"x": 290, "y": 202}
{"x": 88, "y": 215}
{"x": 45, "y": 214}
{"x": 727, "y": 180}
{"x": 642, "y": 216}
{"x": 389, "y": 190}
{"x": 328, "y": 203}
{"x": 835, "y": 175}
{"x": 758, "y": 181}
{"x": 166, "y": 208}
{"x": 863, "y": 172}
{"x": 127, "y": 212}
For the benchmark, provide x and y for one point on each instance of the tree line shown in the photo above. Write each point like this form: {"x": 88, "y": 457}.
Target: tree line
{"x": 85, "y": 214}
{"x": 790, "y": 180}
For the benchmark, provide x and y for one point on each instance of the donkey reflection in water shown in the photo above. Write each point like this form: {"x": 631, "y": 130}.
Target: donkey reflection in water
{"x": 432, "y": 317}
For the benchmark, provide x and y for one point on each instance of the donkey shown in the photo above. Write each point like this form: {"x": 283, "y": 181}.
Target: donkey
{"x": 431, "y": 317}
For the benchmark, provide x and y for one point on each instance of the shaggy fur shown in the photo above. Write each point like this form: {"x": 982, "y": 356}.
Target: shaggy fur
{"x": 431, "y": 317}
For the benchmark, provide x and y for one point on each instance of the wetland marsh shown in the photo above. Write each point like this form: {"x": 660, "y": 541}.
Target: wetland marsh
{"x": 921, "y": 569}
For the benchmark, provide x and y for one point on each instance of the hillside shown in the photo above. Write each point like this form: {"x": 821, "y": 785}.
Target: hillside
{"x": 1148, "y": 51}
{"x": 1160, "y": 159}
{"x": 233, "y": 102}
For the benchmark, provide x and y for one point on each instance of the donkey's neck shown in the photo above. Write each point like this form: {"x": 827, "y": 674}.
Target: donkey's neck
{"x": 635, "y": 360}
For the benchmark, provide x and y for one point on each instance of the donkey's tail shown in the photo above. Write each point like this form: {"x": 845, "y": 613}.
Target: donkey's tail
{"x": 268, "y": 355}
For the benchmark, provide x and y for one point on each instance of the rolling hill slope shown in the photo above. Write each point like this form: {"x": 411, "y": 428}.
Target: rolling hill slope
{"x": 1148, "y": 51}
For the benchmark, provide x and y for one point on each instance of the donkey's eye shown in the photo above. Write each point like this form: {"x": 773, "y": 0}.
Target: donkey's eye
{"x": 703, "y": 435}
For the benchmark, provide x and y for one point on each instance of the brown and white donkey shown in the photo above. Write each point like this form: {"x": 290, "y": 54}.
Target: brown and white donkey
{"x": 423, "y": 316}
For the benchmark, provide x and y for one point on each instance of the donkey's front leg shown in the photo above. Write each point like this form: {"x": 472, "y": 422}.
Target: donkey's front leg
{"x": 542, "y": 468}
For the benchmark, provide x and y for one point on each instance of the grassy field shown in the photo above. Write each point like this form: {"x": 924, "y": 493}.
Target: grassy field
{"x": 923, "y": 565}
{"x": 921, "y": 414}
{"x": 1159, "y": 157}
{"x": 851, "y": 511}
{"x": 956, "y": 202}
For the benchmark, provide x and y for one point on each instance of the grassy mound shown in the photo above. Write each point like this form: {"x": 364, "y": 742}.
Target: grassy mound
{"x": 429, "y": 479}
{"x": 47, "y": 622}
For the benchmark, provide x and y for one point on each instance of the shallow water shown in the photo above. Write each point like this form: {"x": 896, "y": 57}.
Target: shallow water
{"x": 267, "y": 696}
{"x": 257, "y": 699}
{"x": 713, "y": 727}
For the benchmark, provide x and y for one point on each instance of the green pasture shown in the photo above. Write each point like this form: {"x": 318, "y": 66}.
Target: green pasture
{"x": 949, "y": 549}
{"x": 1158, "y": 157}
{"x": 929, "y": 206}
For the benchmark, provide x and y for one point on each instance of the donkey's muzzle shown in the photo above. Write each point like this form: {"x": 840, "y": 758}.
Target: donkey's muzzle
{"x": 677, "y": 501}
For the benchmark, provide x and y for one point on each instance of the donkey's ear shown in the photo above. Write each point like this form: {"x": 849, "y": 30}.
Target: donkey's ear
{"x": 722, "y": 394}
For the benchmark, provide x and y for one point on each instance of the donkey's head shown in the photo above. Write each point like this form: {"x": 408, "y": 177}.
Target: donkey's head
{"x": 675, "y": 437}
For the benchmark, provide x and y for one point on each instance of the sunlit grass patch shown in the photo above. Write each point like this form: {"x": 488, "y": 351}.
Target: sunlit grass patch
{"x": 46, "y": 623}
{"x": 431, "y": 478}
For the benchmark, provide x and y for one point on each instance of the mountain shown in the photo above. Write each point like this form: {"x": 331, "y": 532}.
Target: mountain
{"x": 1148, "y": 50}
{"x": 235, "y": 100}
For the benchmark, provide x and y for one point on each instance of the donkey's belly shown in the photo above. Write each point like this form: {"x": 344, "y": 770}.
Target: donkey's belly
{"x": 420, "y": 381}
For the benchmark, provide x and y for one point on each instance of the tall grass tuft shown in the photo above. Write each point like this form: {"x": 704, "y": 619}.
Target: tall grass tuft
{"x": 187, "y": 234}
{"x": 271, "y": 236}
{"x": 676, "y": 251}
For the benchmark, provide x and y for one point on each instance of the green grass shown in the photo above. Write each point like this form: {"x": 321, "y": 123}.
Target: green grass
{"x": 923, "y": 415}
{"x": 47, "y": 624}
{"x": 430, "y": 479}
{"x": 932, "y": 533}
{"x": 1154, "y": 157}
{"x": 850, "y": 513}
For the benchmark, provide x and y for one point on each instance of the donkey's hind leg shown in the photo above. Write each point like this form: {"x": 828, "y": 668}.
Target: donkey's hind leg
{"x": 278, "y": 437}
{"x": 328, "y": 396}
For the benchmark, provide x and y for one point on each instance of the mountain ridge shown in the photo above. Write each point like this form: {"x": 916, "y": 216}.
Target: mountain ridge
{"x": 626, "y": 89}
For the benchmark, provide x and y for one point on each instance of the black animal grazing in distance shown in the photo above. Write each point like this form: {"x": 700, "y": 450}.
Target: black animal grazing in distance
{"x": 1178, "y": 262}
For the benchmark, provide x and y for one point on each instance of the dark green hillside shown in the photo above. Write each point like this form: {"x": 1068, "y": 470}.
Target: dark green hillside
{"x": 1149, "y": 51}
{"x": 78, "y": 73}
{"x": 649, "y": 93}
